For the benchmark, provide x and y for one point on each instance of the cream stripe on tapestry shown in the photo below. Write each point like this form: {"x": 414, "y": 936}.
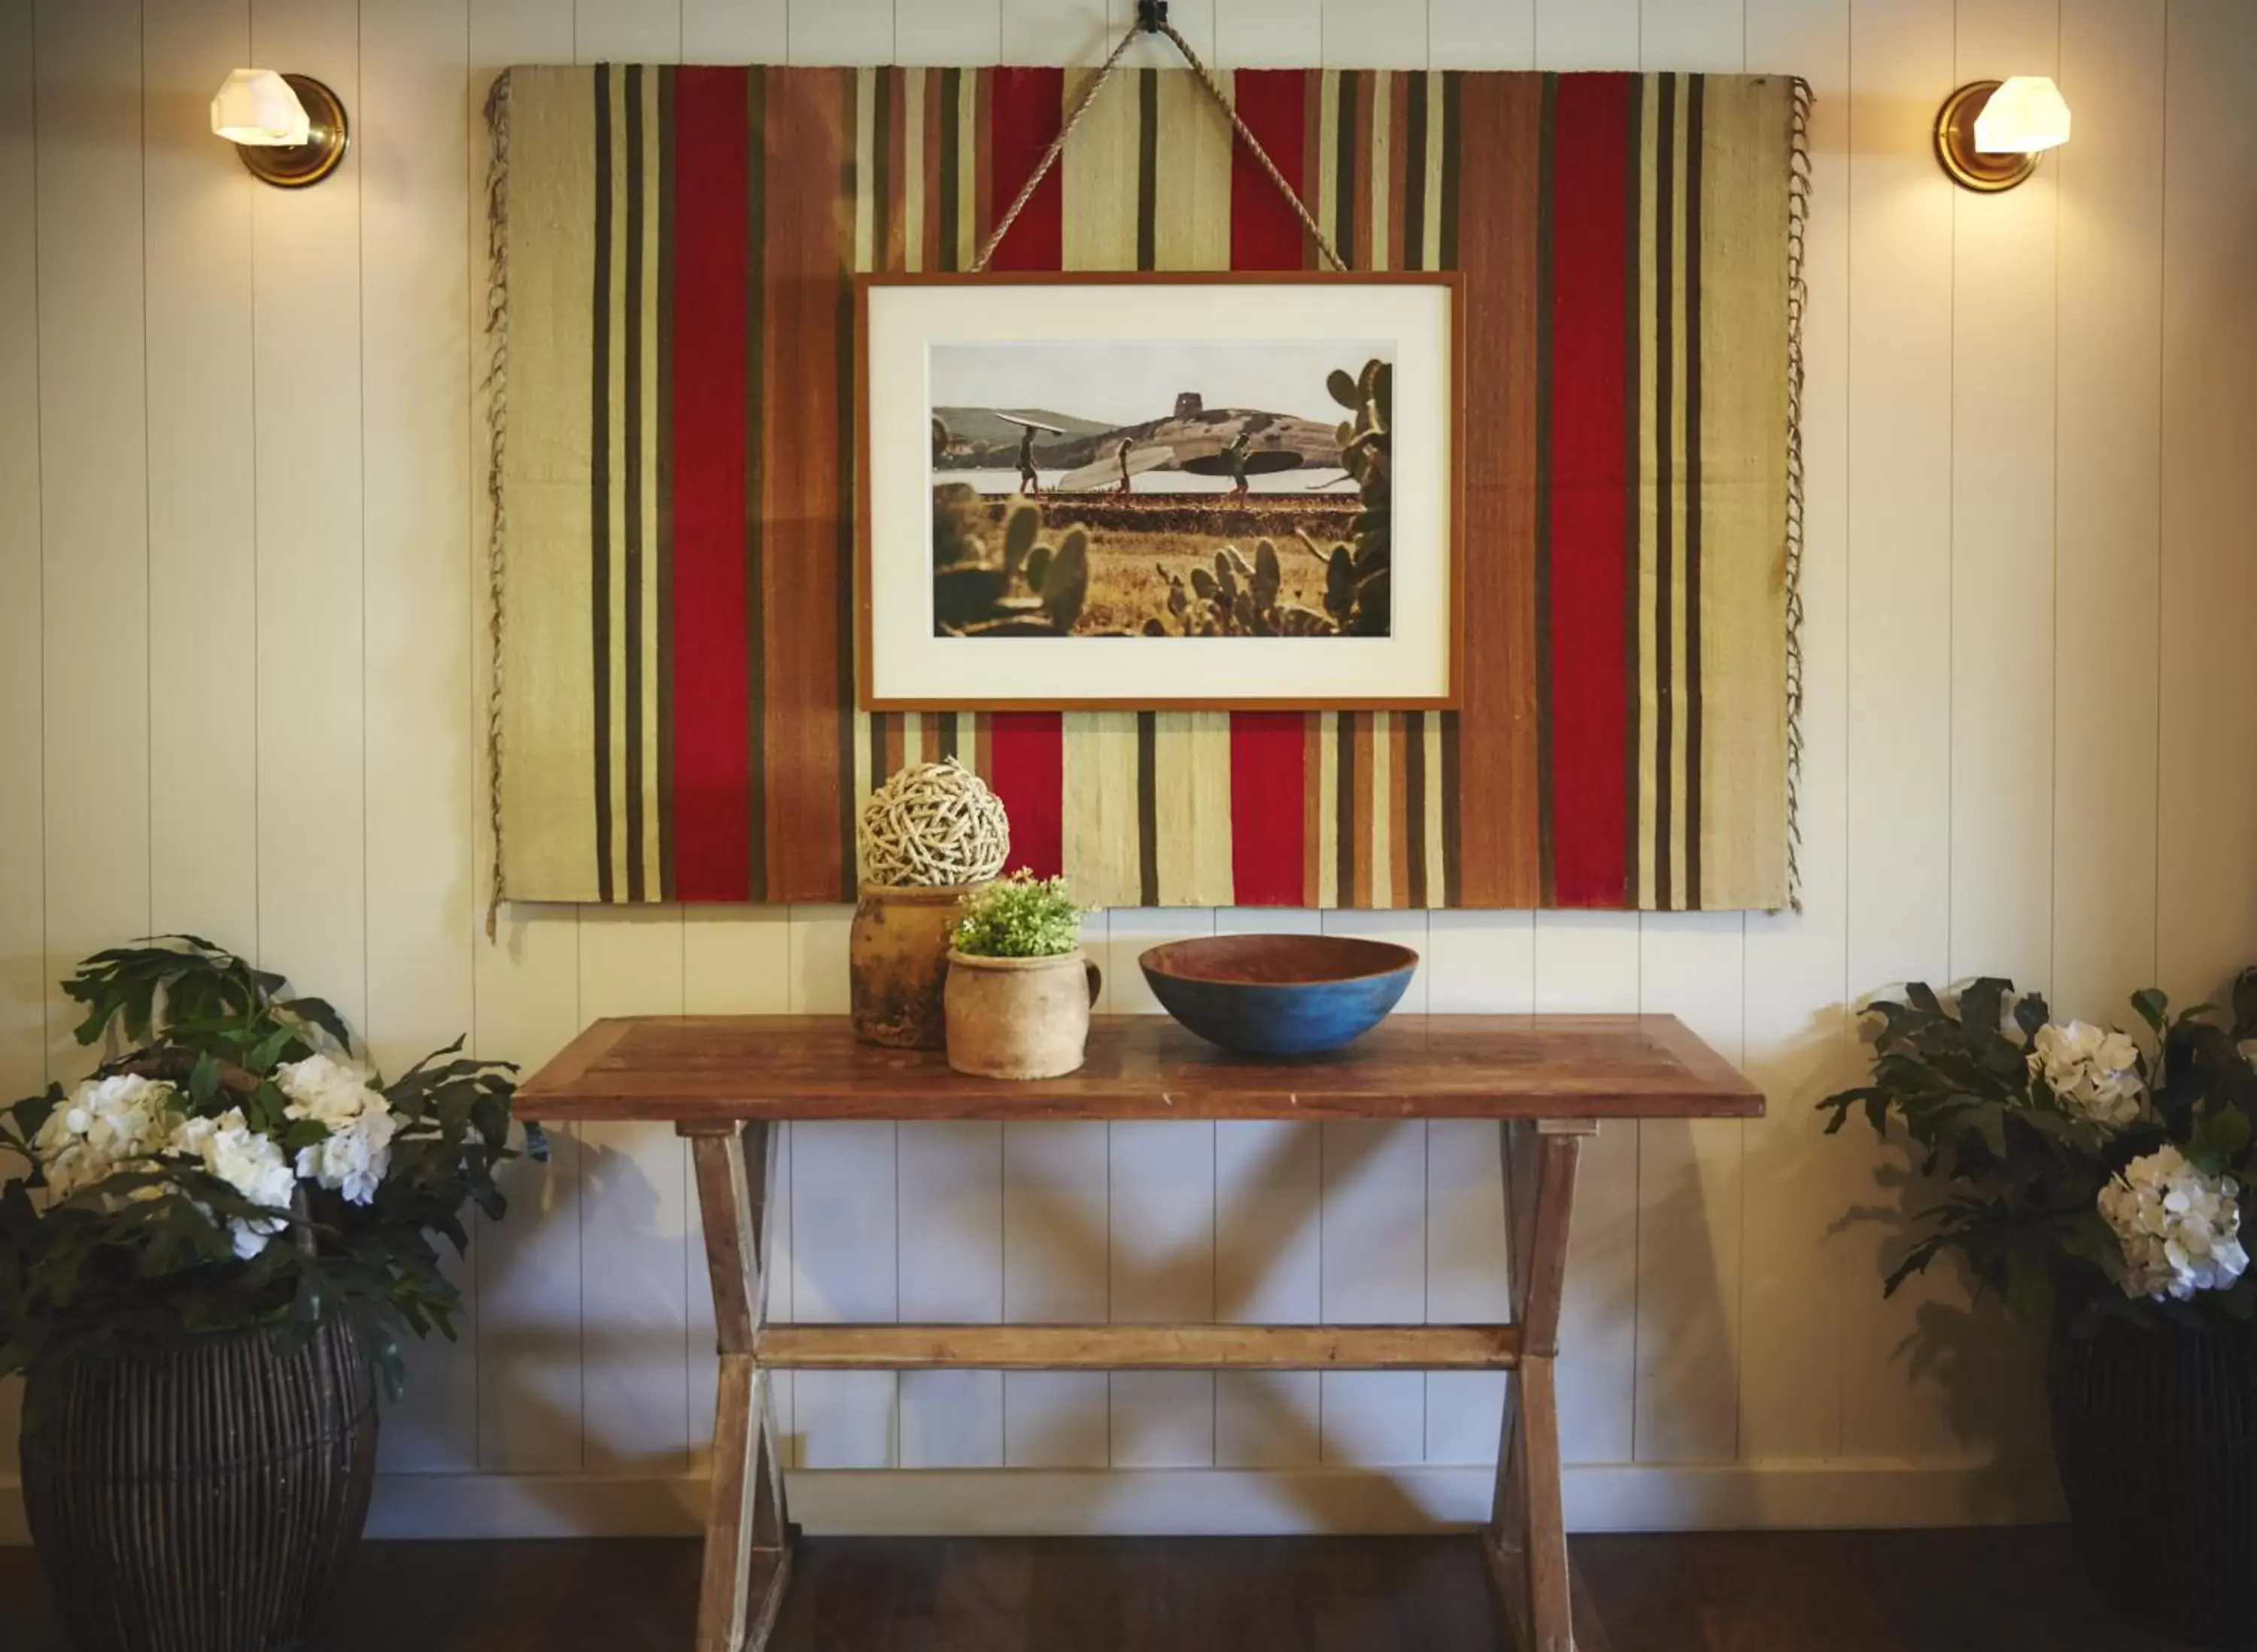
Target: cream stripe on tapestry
{"x": 1192, "y": 223}
{"x": 912, "y": 184}
{"x": 1328, "y": 737}
{"x": 1432, "y": 895}
{"x": 548, "y": 724}
{"x": 1329, "y": 119}
{"x": 971, "y": 155}
{"x": 1192, "y": 791}
{"x": 1744, "y": 227}
{"x": 1430, "y": 231}
{"x": 615, "y": 505}
{"x": 1383, "y": 91}
{"x": 1100, "y": 846}
{"x": 646, "y": 643}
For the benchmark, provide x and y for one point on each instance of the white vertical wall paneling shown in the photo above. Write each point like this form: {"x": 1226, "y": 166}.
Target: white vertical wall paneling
{"x": 1056, "y": 1195}
{"x": 2206, "y": 907}
{"x": 948, "y": 31}
{"x": 635, "y": 1219}
{"x": 526, "y": 984}
{"x": 306, "y": 426}
{"x": 1481, "y": 34}
{"x": 22, "y": 956}
{"x": 734, "y": 31}
{"x": 1589, "y": 961}
{"x": 1360, "y": 35}
{"x": 93, "y": 493}
{"x": 1586, "y": 34}
{"x": 203, "y": 781}
{"x": 1795, "y": 1275}
{"x": 841, "y": 31}
{"x": 2004, "y": 271}
{"x": 421, "y": 761}
{"x": 625, "y": 32}
{"x": 1268, "y": 1255}
{"x": 1057, "y": 31}
{"x": 1692, "y": 965}
{"x": 1902, "y": 724}
{"x": 951, "y": 1262}
{"x": 1268, "y": 33}
{"x": 1373, "y": 1218}
{"x": 2108, "y": 490}
{"x": 735, "y": 961}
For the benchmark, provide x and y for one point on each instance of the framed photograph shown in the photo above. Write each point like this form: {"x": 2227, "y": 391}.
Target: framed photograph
{"x": 1159, "y": 490}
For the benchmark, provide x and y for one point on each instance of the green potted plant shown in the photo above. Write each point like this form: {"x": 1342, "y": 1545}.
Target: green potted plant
{"x": 214, "y": 1250}
{"x": 1019, "y": 988}
{"x": 2086, "y": 1174}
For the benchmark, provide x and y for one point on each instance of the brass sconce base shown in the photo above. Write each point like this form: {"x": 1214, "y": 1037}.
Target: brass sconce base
{"x": 1966, "y": 165}
{"x": 297, "y": 166}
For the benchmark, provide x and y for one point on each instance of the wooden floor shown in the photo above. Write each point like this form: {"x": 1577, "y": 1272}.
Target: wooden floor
{"x": 1986, "y": 1590}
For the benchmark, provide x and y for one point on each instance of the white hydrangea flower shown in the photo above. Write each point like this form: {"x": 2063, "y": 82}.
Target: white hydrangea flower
{"x": 105, "y": 1123}
{"x": 357, "y": 1152}
{"x": 250, "y": 1164}
{"x": 2180, "y": 1230}
{"x": 2093, "y": 1071}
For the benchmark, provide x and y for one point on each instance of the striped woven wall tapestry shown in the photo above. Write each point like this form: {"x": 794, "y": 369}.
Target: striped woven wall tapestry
{"x": 673, "y": 454}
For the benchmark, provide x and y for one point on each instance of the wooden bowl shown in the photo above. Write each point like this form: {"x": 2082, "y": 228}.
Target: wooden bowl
{"x": 1279, "y": 994}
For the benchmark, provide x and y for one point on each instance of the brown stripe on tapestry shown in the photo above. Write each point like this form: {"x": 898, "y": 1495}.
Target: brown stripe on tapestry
{"x": 850, "y": 183}
{"x": 884, "y": 741}
{"x": 893, "y": 197}
{"x": 950, "y": 119}
{"x": 1664, "y": 536}
{"x": 943, "y": 737}
{"x": 934, "y": 228}
{"x": 1490, "y": 228}
{"x": 1414, "y": 891}
{"x": 1148, "y": 188}
{"x": 1343, "y": 807}
{"x": 1313, "y": 803}
{"x": 1397, "y": 227}
{"x": 599, "y": 484}
{"x": 630, "y": 325}
{"x": 665, "y": 655}
{"x": 756, "y": 468}
{"x": 1148, "y": 806}
{"x": 1447, "y": 258}
{"x": 1543, "y": 487}
{"x": 1693, "y": 143}
{"x": 978, "y": 215}
{"x": 1416, "y": 253}
{"x": 1360, "y": 826}
{"x": 1356, "y": 133}
{"x": 1343, "y": 164}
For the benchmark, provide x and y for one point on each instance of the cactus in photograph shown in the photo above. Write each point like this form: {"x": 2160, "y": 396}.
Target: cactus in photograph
{"x": 1031, "y": 591}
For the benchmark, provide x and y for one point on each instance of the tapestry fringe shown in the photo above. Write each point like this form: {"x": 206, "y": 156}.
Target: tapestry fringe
{"x": 495, "y": 386}
{"x": 1798, "y": 294}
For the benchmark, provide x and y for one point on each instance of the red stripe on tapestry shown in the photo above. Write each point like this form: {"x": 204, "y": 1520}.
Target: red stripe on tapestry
{"x": 711, "y": 825}
{"x": 1027, "y": 749}
{"x": 1589, "y": 700}
{"x": 1268, "y": 749}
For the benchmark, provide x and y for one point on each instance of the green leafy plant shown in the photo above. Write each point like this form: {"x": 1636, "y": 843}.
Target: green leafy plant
{"x": 1021, "y": 916}
{"x": 232, "y": 1167}
{"x": 2075, "y": 1160}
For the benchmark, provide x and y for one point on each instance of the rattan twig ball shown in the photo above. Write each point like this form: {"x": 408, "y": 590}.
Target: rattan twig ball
{"x": 936, "y": 824}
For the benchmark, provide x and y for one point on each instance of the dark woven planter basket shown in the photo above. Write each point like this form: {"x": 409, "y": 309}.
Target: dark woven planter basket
{"x": 2155, "y": 1435}
{"x": 207, "y": 1499}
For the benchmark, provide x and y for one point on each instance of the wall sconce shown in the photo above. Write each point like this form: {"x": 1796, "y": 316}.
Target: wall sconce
{"x": 1989, "y": 134}
{"x": 290, "y": 130}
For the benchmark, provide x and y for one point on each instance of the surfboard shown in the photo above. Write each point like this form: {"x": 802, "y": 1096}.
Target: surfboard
{"x": 1105, "y": 473}
{"x": 1257, "y": 464}
{"x": 1029, "y": 424}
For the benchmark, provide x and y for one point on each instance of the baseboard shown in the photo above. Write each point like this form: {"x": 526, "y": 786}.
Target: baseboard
{"x": 1139, "y": 1502}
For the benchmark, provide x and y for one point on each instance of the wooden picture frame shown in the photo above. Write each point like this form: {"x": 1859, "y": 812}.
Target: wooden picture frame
{"x": 955, "y": 612}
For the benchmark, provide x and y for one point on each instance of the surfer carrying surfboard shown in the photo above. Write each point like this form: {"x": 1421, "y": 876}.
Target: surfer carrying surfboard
{"x": 1127, "y": 442}
{"x": 1029, "y": 481}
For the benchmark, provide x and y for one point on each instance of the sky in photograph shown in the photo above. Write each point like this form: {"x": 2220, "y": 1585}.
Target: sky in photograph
{"x": 1126, "y": 383}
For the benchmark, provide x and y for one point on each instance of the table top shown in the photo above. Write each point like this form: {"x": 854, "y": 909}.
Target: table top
{"x": 710, "y": 1069}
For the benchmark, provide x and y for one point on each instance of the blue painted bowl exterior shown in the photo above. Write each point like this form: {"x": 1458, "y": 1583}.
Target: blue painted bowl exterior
{"x": 1214, "y": 988}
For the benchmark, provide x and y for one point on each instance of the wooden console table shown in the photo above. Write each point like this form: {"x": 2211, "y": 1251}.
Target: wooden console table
{"x": 725, "y": 1081}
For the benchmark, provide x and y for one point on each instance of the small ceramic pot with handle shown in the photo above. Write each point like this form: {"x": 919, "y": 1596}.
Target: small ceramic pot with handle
{"x": 1019, "y": 1018}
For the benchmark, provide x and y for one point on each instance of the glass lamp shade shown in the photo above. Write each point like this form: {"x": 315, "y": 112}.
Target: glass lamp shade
{"x": 258, "y": 107}
{"x": 2024, "y": 116}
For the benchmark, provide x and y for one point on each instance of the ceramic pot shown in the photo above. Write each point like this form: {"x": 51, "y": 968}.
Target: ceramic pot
{"x": 897, "y": 958}
{"x": 204, "y": 1497}
{"x": 1019, "y": 1018}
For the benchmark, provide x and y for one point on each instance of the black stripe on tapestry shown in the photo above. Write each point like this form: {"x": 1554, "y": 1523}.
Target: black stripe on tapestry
{"x": 631, "y": 323}
{"x": 1415, "y": 251}
{"x": 1633, "y": 585}
{"x": 1148, "y": 171}
{"x": 665, "y": 821}
{"x": 1665, "y": 480}
{"x": 756, "y": 757}
{"x": 599, "y": 484}
{"x": 1693, "y": 142}
{"x": 850, "y": 181}
{"x": 951, "y": 94}
{"x": 1414, "y": 810}
{"x": 1546, "y": 125}
{"x": 944, "y": 735}
{"x": 1148, "y": 808}
{"x": 1453, "y": 85}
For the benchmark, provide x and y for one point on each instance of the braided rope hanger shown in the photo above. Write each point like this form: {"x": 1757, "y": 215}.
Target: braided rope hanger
{"x": 1153, "y": 20}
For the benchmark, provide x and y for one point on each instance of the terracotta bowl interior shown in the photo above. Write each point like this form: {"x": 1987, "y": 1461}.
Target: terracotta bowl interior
{"x": 1278, "y": 960}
